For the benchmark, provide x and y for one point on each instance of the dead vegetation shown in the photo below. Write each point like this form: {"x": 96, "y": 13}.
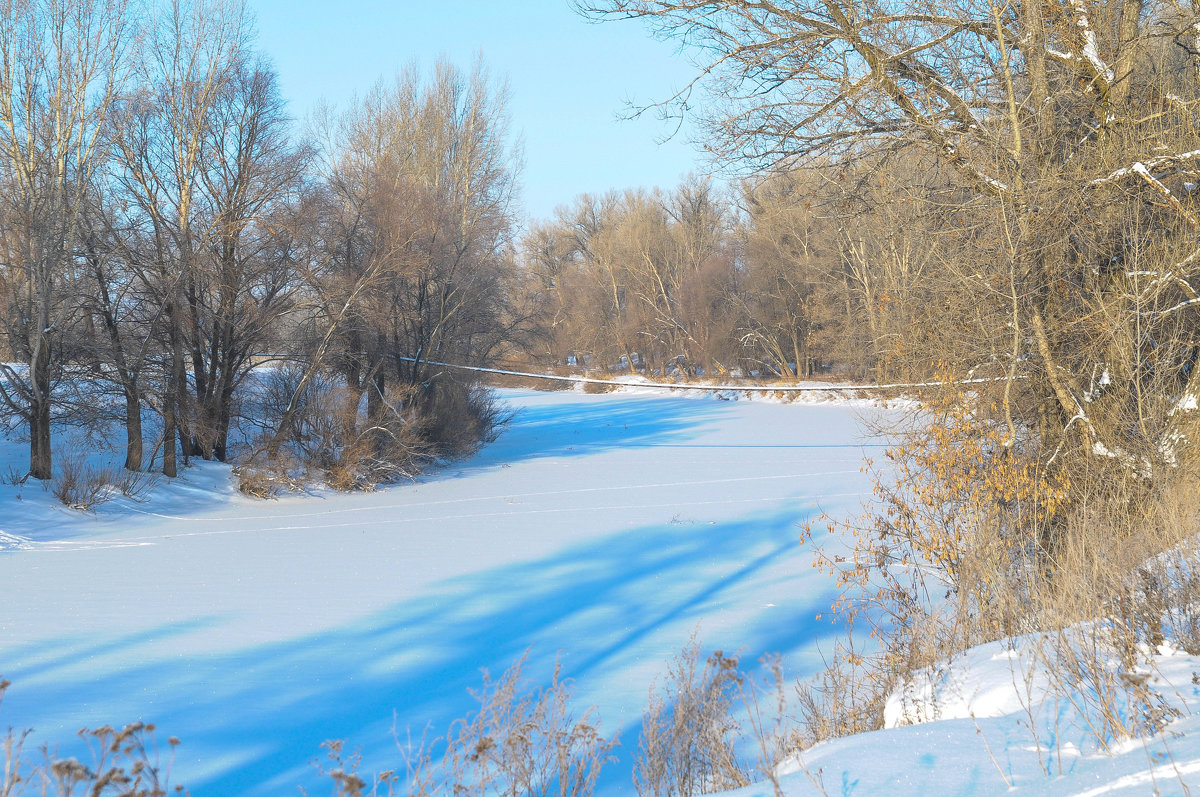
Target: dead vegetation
{"x": 125, "y": 762}
{"x": 79, "y": 485}
{"x": 337, "y": 438}
{"x": 521, "y": 740}
{"x": 976, "y": 541}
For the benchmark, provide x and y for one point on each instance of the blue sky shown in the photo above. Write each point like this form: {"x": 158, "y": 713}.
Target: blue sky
{"x": 570, "y": 79}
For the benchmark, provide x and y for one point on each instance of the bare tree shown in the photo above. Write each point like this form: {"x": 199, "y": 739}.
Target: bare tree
{"x": 244, "y": 280}
{"x": 790, "y": 265}
{"x": 121, "y": 317}
{"x": 193, "y": 51}
{"x": 62, "y": 63}
{"x": 1065, "y": 132}
{"x": 411, "y": 267}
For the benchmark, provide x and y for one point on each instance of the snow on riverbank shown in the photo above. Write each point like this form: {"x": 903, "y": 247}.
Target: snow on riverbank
{"x": 987, "y": 724}
{"x": 603, "y": 529}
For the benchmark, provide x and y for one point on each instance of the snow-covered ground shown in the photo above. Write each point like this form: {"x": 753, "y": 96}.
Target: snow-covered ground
{"x": 602, "y": 529}
{"x": 989, "y": 723}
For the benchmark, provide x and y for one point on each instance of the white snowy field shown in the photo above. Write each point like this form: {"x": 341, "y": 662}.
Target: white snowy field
{"x": 600, "y": 529}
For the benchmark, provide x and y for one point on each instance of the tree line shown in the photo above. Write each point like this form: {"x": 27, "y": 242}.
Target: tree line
{"x": 973, "y": 189}
{"x": 163, "y": 225}
{"x": 781, "y": 276}
{"x": 1012, "y": 187}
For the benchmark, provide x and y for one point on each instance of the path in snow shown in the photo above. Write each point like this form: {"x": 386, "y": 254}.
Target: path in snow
{"x": 602, "y": 529}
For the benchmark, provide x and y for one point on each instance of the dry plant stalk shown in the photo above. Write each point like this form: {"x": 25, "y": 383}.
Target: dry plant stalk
{"x": 124, "y": 763}
{"x": 689, "y": 733}
{"x": 847, "y": 697}
{"x": 521, "y": 740}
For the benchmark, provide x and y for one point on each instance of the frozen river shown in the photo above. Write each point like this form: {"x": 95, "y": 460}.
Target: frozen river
{"x": 601, "y": 529}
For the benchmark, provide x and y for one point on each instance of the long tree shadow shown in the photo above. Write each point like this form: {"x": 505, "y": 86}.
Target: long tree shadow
{"x": 252, "y": 720}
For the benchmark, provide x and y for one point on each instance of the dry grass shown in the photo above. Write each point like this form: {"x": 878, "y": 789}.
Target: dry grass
{"x": 712, "y": 727}
{"x": 845, "y": 698}
{"x": 268, "y": 479}
{"x": 124, "y": 762}
{"x": 689, "y": 731}
{"x": 521, "y": 740}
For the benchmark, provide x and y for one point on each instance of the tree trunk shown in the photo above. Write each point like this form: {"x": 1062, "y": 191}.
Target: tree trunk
{"x": 171, "y": 400}
{"x": 133, "y": 430}
{"x": 39, "y": 412}
{"x": 221, "y": 436}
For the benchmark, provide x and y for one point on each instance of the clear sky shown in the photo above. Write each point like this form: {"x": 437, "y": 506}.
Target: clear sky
{"x": 570, "y": 79}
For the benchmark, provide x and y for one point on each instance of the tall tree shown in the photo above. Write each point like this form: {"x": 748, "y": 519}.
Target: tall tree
{"x": 425, "y": 177}
{"x": 62, "y": 63}
{"x": 414, "y": 231}
{"x": 244, "y": 279}
{"x": 194, "y": 50}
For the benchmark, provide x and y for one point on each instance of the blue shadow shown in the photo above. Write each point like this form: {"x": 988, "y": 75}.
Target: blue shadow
{"x": 411, "y": 666}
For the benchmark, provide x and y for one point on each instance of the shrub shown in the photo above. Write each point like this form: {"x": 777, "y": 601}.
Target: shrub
{"x": 392, "y": 446}
{"x": 136, "y": 484}
{"x": 80, "y": 486}
{"x": 406, "y": 428}
{"x": 459, "y": 414}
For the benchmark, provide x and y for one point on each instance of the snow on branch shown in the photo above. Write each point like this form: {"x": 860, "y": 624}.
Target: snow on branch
{"x": 1148, "y": 166}
{"x": 1160, "y": 279}
{"x": 1104, "y": 74}
{"x": 1181, "y": 306}
{"x": 1141, "y": 170}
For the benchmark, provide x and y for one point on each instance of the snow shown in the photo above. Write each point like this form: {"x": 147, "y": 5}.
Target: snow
{"x": 989, "y": 723}
{"x": 600, "y": 529}
{"x": 604, "y": 529}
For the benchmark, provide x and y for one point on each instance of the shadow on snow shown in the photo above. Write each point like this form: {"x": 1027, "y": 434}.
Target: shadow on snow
{"x": 635, "y": 594}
